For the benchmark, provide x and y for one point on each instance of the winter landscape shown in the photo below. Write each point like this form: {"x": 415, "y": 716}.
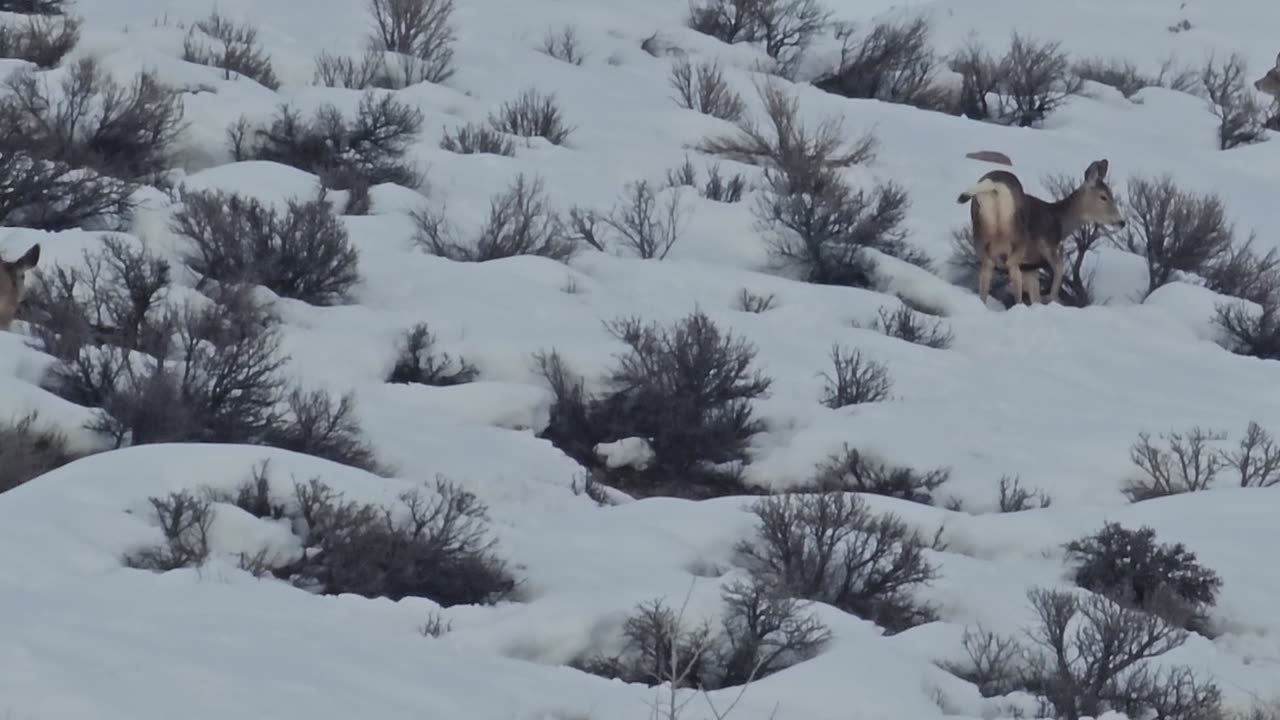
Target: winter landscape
{"x": 607, "y": 360}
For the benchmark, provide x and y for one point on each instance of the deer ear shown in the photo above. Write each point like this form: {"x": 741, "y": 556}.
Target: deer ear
{"x": 28, "y": 260}
{"x": 1278, "y": 61}
{"x": 1096, "y": 171}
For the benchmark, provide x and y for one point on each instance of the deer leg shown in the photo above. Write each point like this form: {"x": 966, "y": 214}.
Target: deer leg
{"x": 1015, "y": 280}
{"x": 987, "y": 266}
{"x": 1055, "y": 285}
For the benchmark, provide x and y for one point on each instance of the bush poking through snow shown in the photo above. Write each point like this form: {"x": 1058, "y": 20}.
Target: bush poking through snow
{"x": 34, "y": 7}
{"x": 1176, "y": 231}
{"x": 852, "y": 471}
{"x": 28, "y": 451}
{"x": 704, "y": 89}
{"x": 43, "y": 41}
{"x": 753, "y": 303}
{"x": 1130, "y": 568}
{"x": 760, "y": 634}
{"x": 420, "y": 32}
{"x": 907, "y": 324}
{"x": 370, "y": 71}
{"x": 854, "y": 380}
{"x": 1244, "y": 273}
{"x": 1125, "y": 77}
{"x": 520, "y": 222}
{"x": 185, "y": 521}
{"x": 232, "y": 47}
{"x": 532, "y": 114}
{"x": 686, "y": 390}
{"x": 830, "y": 548}
{"x": 718, "y": 187}
{"x": 1255, "y": 333}
{"x": 93, "y": 122}
{"x": 1241, "y": 118}
{"x": 313, "y": 423}
{"x": 302, "y": 253}
{"x": 893, "y": 63}
{"x": 643, "y": 225}
{"x": 1257, "y": 459}
{"x": 418, "y": 362}
{"x": 563, "y": 46}
{"x": 474, "y": 138}
{"x": 52, "y": 195}
{"x": 1015, "y": 498}
{"x": 1190, "y": 463}
{"x": 345, "y": 153}
{"x": 784, "y": 28}
{"x": 993, "y": 665}
{"x": 1021, "y": 88}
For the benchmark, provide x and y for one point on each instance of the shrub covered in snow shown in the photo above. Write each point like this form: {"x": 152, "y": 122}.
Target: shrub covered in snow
{"x": 42, "y": 41}
{"x": 221, "y": 42}
{"x": 28, "y": 450}
{"x": 1031, "y": 80}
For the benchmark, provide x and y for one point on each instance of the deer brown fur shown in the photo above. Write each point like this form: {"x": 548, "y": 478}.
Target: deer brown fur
{"x": 1270, "y": 83}
{"x": 13, "y": 283}
{"x": 1019, "y": 232}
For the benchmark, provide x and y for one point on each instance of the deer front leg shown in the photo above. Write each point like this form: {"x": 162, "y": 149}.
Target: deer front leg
{"x": 1055, "y": 286}
{"x": 1031, "y": 281}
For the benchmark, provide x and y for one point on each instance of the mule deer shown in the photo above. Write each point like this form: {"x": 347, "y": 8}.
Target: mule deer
{"x": 1021, "y": 233}
{"x": 1270, "y": 83}
{"x": 13, "y": 284}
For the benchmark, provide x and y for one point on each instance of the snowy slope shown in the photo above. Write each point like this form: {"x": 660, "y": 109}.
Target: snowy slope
{"x": 1053, "y": 394}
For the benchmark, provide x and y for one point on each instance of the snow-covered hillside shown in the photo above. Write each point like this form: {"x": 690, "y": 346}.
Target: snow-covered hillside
{"x": 1053, "y": 395}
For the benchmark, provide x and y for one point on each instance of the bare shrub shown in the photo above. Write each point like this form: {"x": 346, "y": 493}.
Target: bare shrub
{"x": 854, "y": 380}
{"x": 830, "y": 548}
{"x": 893, "y": 63}
{"x": 1015, "y": 498}
{"x": 345, "y": 153}
{"x": 1188, "y": 464}
{"x": 704, "y": 89}
{"x": 718, "y": 187}
{"x": 28, "y": 451}
{"x": 907, "y": 324}
{"x": 370, "y": 71}
{"x": 421, "y": 32}
{"x": 1241, "y": 118}
{"x": 474, "y": 138}
{"x": 315, "y": 424}
{"x": 1176, "y": 231}
{"x": 185, "y": 521}
{"x": 1125, "y": 77}
{"x": 1257, "y": 461}
{"x": 52, "y": 195}
{"x": 643, "y": 225}
{"x": 520, "y": 222}
{"x": 994, "y": 662}
{"x": 302, "y": 253}
{"x": 686, "y": 390}
{"x": 1092, "y": 655}
{"x": 532, "y": 114}
{"x": 784, "y": 28}
{"x": 1029, "y": 82}
{"x": 753, "y": 303}
{"x": 852, "y": 471}
{"x": 237, "y": 51}
{"x": 418, "y": 362}
{"x": 1132, "y": 569}
{"x": 34, "y": 7}
{"x": 93, "y": 122}
{"x": 1256, "y": 334}
{"x": 1245, "y": 273}
{"x": 563, "y": 46}
{"x": 43, "y": 41}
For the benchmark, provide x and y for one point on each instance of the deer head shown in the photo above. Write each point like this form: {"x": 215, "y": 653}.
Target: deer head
{"x": 1270, "y": 83}
{"x": 13, "y": 283}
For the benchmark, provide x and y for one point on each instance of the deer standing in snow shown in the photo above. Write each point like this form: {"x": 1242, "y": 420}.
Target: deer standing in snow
{"x": 1019, "y": 232}
{"x": 13, "y": 276}
{"x": 1270, "y": 83}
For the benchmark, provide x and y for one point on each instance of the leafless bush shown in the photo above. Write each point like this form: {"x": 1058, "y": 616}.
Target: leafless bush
{"x": 1130, "y": 568}
{"x": 718, "y": 187}
{"x": 686, "y": 390}
{"x": 644, "y": 225}
{"x": 753, "y": 303}
{"x": 852, "y": 471}
{"x": 563, "y": 46}
{"x": 1241, "y": 118}
{"x": 474, "y": 138}
{"x": 52, "y": 195}
{"x": 418, "y": 362}
{"x": 994, "y": 662}
{"x": 239, "y": 52}
{"x": 1176, "y": 231}
{"x": 1244, "y": 273}
{"x": 43, "y": 41}
{"x": 1189, "y": 464}
{"x": 907, "y": 324}
{"x": 783, "y": 27}
{"x": 1249, "y": 332}
{"x": 28, "y": 451}
{"x": 705, "y": 90}
{"x": 829, "y": 547}
{"x": 345, "y": 153}
{"x": 532, "y": 114}
{"x": 1257, "y": 461}
{"x": 302, "y": 253}
{"x": 93, "y": 122}
{"x": 1124, "y": 76}
{"x": 314, "y": 423}
{"x": 854, "y": 380}
{"x": 370, "y": 71}
{"x": 520, "y": 222}
{"x": 893, "y": 63}
{"x": 1029, "y": 82}
{"x": 421, "y": 32}
{"x": 185, "y": 521}
{"x": 34, "y": 7}
{"x": 1015, "y": 498}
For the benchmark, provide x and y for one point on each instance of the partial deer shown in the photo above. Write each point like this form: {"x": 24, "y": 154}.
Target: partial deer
{"x": 13, "y": 284}
{"x": 1270, "y": 83}
{"x": 1020, "y": 233}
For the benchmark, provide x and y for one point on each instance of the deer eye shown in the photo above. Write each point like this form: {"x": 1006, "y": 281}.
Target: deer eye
{"x": 1105, "y": 198}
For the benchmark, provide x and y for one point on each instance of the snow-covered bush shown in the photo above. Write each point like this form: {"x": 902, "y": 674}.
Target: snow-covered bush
{"x": 28, "y": 451}
{"x": 893, "y": 63}
{"x": 1031, "y": 80}
{"x": 418, "y": 362}
{"x": 231, "y": 47}
{"x": 43, "y": 41}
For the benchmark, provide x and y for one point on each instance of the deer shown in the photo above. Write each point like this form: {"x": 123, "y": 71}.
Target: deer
{"x": 13, "y": 283}
{"x": 1020, "y": 233}
{"x": 1270, "y": 83}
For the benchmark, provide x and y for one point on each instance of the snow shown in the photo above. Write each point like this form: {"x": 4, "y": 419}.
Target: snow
{"x": 1054, "y": 395}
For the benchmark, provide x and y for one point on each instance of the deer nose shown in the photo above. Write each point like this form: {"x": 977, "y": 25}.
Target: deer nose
{"x": 1121, "y": 224}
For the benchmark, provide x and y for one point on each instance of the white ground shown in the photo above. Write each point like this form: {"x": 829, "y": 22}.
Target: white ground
{"x": 1053, "y": 394}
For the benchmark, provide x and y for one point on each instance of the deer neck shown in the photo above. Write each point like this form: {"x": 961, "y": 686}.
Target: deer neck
{"x": 1070, "y": 212}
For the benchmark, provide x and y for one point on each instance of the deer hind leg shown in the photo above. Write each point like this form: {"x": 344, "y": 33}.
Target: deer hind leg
{"x": 986, "y": 267}
{"x": 1055, "y": 286}
{"x": 1031, "y": 281}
